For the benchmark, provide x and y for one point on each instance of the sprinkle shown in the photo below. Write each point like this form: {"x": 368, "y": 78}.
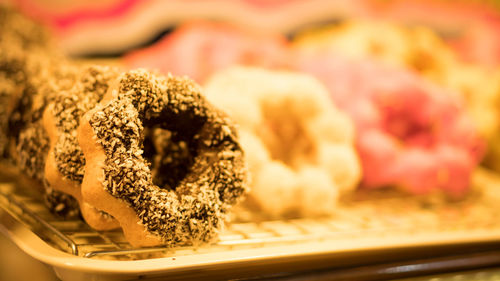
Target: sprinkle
{"x": 178, "y": 143}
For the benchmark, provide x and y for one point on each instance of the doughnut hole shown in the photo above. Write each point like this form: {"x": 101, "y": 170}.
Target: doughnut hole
{"x": 169, "y": 157}
{"x": 285, "y": 135}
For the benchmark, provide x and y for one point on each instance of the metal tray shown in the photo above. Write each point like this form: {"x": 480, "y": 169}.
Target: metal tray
{"x": 375, "y": 229}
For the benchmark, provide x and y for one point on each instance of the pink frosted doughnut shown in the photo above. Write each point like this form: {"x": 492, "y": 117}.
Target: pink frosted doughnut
{"x": 411, "y": 134}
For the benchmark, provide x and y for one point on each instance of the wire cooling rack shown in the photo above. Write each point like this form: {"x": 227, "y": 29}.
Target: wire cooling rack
{"x": 77, "y": 238}
{"x": 377, "y": 218}
{"x": 374, "y": 235}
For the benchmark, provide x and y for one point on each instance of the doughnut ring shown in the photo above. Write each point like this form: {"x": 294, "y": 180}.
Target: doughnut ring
{"x": 412, "y": 134}
{"x": 24, "y": 93}
{"x": 300, "y": 148}
{"x": 118, "y": 179}
{"x": 64, "y": 166}
{"x": 32, "y": 72}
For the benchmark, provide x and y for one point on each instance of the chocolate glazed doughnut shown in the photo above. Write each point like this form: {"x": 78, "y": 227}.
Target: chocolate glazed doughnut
{"x": 118, "y": 179}
{"x": 64, "y": 166}
{"x": 30, "y": 82}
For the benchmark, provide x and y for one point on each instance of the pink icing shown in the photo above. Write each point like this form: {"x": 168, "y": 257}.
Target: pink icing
{"x": 410, "y": 133}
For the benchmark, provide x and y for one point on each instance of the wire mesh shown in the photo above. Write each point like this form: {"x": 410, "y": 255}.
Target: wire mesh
{"x": 387, "y": 217}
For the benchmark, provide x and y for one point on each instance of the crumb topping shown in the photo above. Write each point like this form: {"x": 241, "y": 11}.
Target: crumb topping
{"x": 32, "y": 149}
{"x": 26, "y": 33}
{"x": 31, "y": 73}
{"x": 33, "y": 103}
{"x": 13, "y": 84}
{"x": 26, "y": 56}
{"x": 68, "y": 107}
{"x": 7, "y": 87}
{"x": 61, "y": 203}
{"x": 195, "y": 209}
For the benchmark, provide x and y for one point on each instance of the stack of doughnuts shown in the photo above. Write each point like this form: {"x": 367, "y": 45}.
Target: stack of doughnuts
{"x": 135, "y": 150}
{"x": 149, "y": 154}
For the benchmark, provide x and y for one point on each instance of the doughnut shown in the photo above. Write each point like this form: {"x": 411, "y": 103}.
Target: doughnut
{"x": 30, "y": 154}
{"x": 10, "y": 78}
{"x": 64, "y": 166}
{"x": 22, "y": 32}
{"x": 27, "y": 61}
{"x": 300, "y": 147}
{"x": 198, "y": 49}
{"x": 412, "y": 134}
{"x": 420, "y": 50}
{"x": 14, "y": 75}
{"x": 358, "y": 39}
{"x": 118, "y": 179}
{"x": 32, "y": 143}
{"x": 25, "y": 142}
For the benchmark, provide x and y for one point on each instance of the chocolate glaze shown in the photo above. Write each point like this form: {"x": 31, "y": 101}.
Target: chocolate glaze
{"x": 194, "y": 209}
{"x": 68, "y": 107}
